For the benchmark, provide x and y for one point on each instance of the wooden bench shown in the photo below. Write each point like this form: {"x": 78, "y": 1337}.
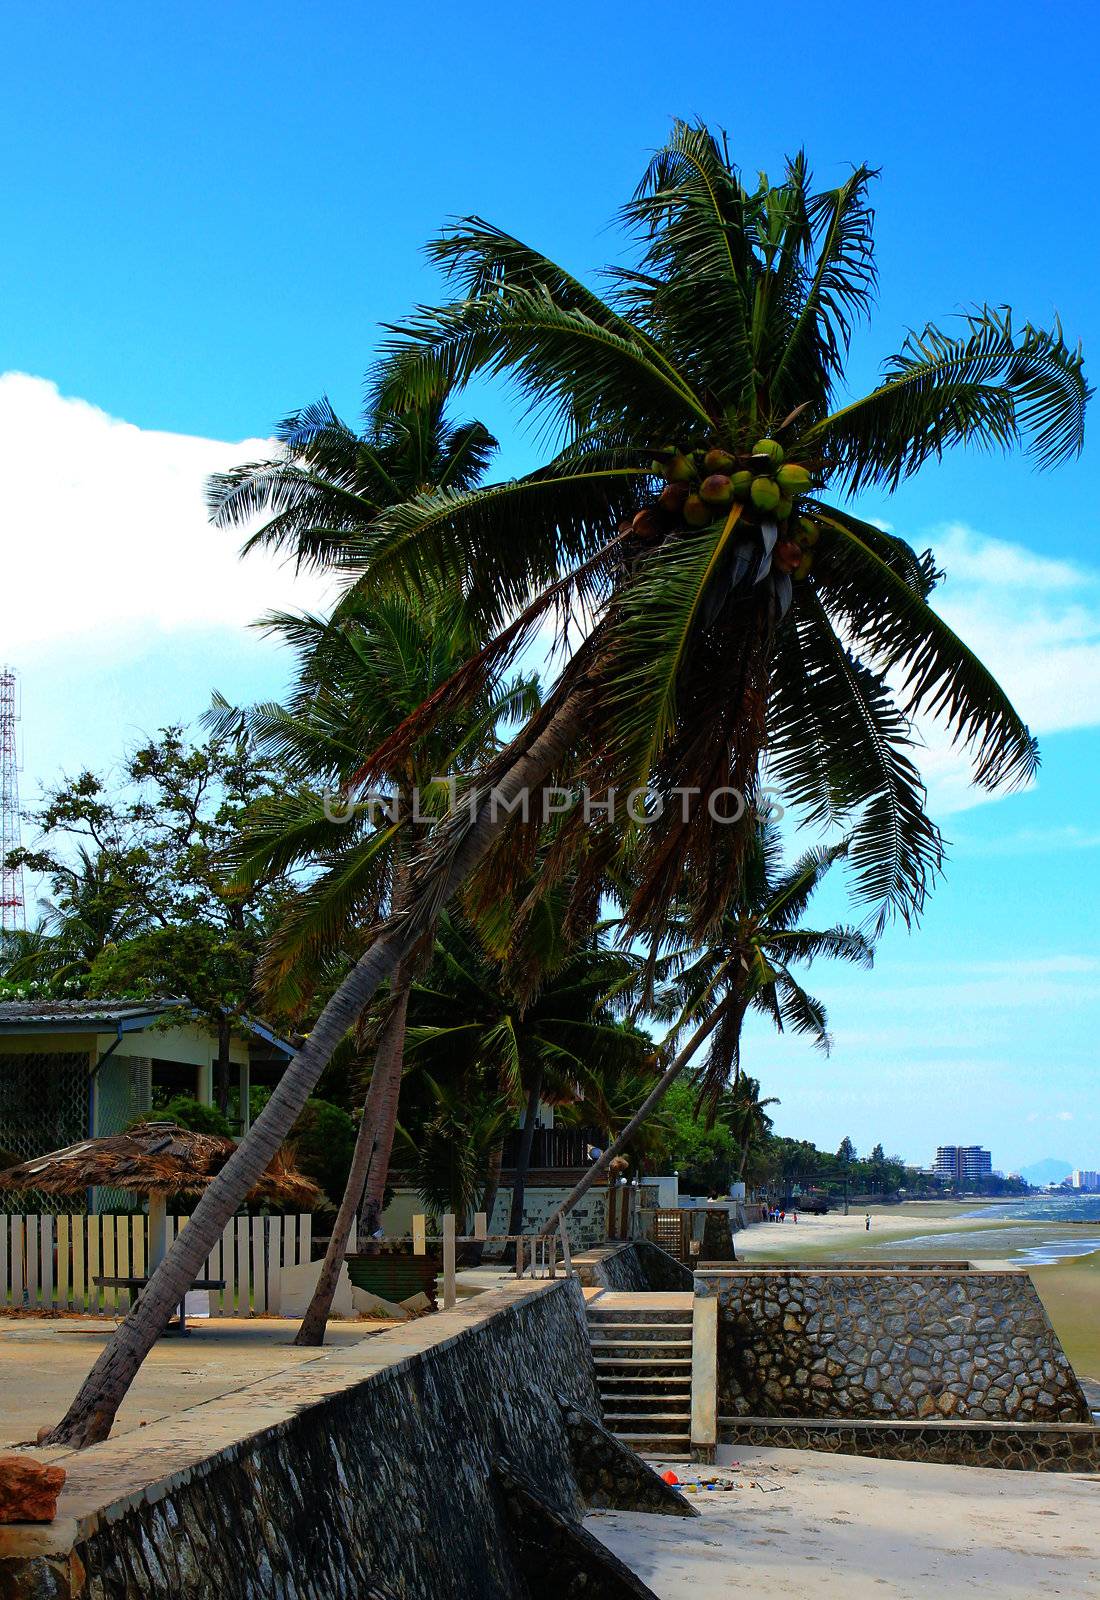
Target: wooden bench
{"x": 136, "y": 1284}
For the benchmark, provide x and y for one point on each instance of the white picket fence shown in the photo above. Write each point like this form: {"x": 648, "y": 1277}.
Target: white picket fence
{"x": 51, "y": 1262}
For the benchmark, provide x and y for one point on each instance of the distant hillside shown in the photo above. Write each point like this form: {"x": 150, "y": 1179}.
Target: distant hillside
{"x": 1046, "y": 1171}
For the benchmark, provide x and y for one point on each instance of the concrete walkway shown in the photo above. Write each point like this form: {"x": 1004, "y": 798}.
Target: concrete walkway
{"x": 44, "y": 1360}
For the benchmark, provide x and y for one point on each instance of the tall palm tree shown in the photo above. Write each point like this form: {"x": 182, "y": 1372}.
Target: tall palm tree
{"x": 358, "y": 677}
{"x": 730, "y": 328}
{"x": 746, "y": 965}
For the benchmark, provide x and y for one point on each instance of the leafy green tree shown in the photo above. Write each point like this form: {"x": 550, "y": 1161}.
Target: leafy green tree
{"x": 190, "y": 1113}
{"x": 732, "y": 325}
{"x": 704, "y": 1155}
{"x": 136, "y": 865}
{"x": 847, "y": 1152}
{"x": 323, "y": 1138}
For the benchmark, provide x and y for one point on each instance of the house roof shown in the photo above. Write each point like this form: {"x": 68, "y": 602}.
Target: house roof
{"x": 121, "y": 1016}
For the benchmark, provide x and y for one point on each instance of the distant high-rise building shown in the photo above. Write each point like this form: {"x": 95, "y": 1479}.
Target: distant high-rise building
{"x": 1085, "y": 1180}
{"x": 963, "y": 1164}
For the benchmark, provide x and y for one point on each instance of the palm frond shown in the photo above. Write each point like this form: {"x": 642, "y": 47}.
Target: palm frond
{"x": 989, "y": 387}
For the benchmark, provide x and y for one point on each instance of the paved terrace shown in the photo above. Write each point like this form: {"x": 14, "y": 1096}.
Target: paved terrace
{"x": 197, "y": 1396}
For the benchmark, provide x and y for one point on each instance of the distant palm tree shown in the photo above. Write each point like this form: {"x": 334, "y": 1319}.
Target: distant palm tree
{"x": 553, "y": 1039}
{"x": 731, "y": 327}
{"x": 92, "y": 909}
{"x": 745, "y": 966}
{"x": 746, "y": 1116}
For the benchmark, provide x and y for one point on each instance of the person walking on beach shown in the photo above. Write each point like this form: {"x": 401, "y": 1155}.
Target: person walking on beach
{"x": 867, "y": 1222}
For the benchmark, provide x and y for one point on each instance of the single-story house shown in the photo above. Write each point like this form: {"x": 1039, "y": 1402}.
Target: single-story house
{"x": 74, "y": 1069}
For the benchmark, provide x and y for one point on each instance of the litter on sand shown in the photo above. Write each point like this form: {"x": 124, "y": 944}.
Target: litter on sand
{"x": 696, "y": 1485}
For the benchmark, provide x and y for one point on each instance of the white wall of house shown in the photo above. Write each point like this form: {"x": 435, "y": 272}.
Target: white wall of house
{"x": 587, "y": 1220}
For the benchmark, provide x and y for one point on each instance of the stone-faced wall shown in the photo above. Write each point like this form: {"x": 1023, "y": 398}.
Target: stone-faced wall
{"x": 639, "y": 1267}
{"x": 850, "y": 1344}
{"x": 381, "y": 1482}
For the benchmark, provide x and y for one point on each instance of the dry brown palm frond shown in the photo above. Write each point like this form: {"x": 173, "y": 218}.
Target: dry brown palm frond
{"x": 156, "y": 1158}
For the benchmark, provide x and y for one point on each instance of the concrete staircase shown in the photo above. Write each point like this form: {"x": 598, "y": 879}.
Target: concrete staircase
{"x": 642, "y": 1356}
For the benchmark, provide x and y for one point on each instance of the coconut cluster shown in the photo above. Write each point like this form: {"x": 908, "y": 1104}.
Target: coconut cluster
{"x": 702, "y": 485}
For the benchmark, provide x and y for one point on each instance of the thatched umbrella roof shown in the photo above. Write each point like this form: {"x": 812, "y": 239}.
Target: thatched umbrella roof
{"x": 156, "y": 1158}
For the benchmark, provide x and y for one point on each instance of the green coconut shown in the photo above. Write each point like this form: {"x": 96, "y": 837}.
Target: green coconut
{"x": 803, "y": 568}
{"x": 719, "y": 461}
{"x": 792, "y": 478}
{"x": 768, "y": 447}
{"x": 742, "y": 485}
{"x": 765, "y": 494}
{"x": 717, "y": 490}
{"x": 696, "y": 512}
{"x": 784, "y": 508}
{"x": 808, "y": 532}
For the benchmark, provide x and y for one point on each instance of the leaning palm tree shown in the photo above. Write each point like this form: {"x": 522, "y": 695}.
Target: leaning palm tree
{"x": 745, "y": 965}
{"x": 359, "y": 675}
{"x": 698, "y": 633}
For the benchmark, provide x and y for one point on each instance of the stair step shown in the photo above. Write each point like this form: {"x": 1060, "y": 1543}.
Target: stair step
{"x": 648, "y": 1416}
{"x": 669, "y": 1381}
{"x": 643, "y": 1349}
{"x": 648, "y": 1329}
{"x": 642, "y": 1361}
{"x": 653, "y": 1440}
{"x": 644, "y": 1319}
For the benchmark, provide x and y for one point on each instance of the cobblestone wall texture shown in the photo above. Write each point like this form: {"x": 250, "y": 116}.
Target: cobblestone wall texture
{"x": 887, "y": 1345}
{"x": 1066, "y": 1447}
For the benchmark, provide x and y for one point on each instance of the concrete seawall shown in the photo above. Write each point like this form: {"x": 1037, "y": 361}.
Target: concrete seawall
{"x": 397, "y": 1466}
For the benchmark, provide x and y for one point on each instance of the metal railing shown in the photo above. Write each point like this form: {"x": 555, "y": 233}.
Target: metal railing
{"x": 536, "y": 1256}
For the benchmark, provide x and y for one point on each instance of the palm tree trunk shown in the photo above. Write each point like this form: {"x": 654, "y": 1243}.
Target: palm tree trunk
{"x": 383, "y": 1107}
{"x": 221, "y": 1070}
{"x": 93, "y": 1411}
{"x": 373, "y": 1144}
{"x": 489, "y": 1193}
{"x": 653, "y": 1098}
{"x": 523, "y": 1156}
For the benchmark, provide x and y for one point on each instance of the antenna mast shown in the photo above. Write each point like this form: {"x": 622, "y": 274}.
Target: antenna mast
{"x": 12, "y": 912}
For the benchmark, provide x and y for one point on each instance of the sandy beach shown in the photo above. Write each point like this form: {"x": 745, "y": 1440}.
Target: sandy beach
{"x": 800, "y": 1522}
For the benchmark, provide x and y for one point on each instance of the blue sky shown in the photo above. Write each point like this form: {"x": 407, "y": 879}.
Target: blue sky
{"x": 209, "y": 210}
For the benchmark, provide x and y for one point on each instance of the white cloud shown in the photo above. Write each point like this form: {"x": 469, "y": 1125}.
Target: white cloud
{"x": 106, "y": 531}
{"x": 1035, "y": 623}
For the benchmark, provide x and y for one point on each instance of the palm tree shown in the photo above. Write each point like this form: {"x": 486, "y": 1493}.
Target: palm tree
{"x": 92, "y": 910}
{"x": 746, "y": 1116}
{"x": 745, "y": 966}
{"x": 730, "y": 328}
{"x": 359, "y": 676}
{"x": 546, "y": 1039}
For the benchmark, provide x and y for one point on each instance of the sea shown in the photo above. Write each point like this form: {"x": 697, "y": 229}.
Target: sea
{"x": 1022, "y": 1236}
